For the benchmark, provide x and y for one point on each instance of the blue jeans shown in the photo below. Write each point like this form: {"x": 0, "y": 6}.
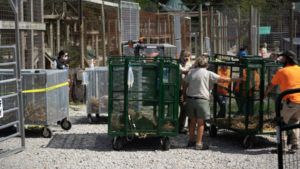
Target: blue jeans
{"x": 222, "y": 101}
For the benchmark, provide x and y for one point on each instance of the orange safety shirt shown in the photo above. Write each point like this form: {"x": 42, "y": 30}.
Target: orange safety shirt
{"x": 288, "y": 78}
{"x": 256, "y": 83}
{"x": 224, "y": 86}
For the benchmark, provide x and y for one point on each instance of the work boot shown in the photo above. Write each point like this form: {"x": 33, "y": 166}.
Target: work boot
{"x": 191, "y": 144}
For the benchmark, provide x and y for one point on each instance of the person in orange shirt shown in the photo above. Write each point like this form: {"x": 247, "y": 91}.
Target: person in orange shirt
{"x": 241, "y": 94}
{"x": 222, "y": 91}
{"x": 288, "y": 78}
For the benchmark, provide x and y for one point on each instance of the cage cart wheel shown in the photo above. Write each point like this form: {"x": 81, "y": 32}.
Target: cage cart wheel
{"x": 248, "y": 142}
{"x": 213, "y": 130}
{"x": 166, "y": 144}
{"x": 90, "y": 119}
{"x": 46, "y": 132}
{"x": 66, "y": 124}
{"x": 117, "y": 143}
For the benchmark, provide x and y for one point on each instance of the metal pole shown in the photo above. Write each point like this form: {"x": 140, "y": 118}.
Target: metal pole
{"x": 250, "y": 30}
{"x": 239, "y": 27}
{"x": 81, "y": 35}
{"x": 212, "y": 29}
{"x": 258, "y": 35}
{"x": 119, "y": 29}
{"x": 200, "y": 52}
{"x": 292, "y": 26}
{"x": 103, "y": 34}
{"x": 15, "y": 7}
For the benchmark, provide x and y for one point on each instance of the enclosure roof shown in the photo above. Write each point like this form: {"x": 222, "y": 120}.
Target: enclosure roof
{"x": 174, "y": 5}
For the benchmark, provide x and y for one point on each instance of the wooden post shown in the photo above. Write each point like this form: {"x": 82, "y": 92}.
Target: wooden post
{"x": 82, "y": 50}
{"x": 169, "y": 30}
{"x": 292, "y": 26}
{"x": 22, "y": 35}
{"x": 58, "y": 35}
{"x": 212, "y": 30}
{"x": 103, "y": 34}
{"x": 97, "y": 47}
{"x": 119, "y": 29}
{"x": 108, "y": 38}
{"x": 51, "y": 38}
{"x": 196, "y": 45}
{"x": 67, "y": 34}
{"x": 42, "y": 63}
{"x": 200, "y": 52}
{"x": 165, "y": 31}
{"x": 149, "y": 31}
{"x": 250, "y": 31}
{"x": 258, "y": 35}
{"x": 31, "y": 38}
{"x": 190, "y": 34}
{"x": 239, "y": 27}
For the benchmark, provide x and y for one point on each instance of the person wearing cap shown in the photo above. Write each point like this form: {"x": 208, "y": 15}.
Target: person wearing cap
{"x": 196, "y": 90}
{"x": 288, "y": 78}
{"x": 184, "y": 69}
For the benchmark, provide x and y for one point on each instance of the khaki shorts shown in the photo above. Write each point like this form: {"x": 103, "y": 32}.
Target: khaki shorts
{"x": 197, "y": 108}
{"x": 290, "y": 111}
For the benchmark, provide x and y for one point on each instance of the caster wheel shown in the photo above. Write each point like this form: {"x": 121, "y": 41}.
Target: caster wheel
{"x": 90, "y": 119}
{"x": 213, "y": 131}
{"x": 166, "y": 144}
{"x": 46, "y": 132}
{"x": 117, "y": 143}
{"x": 66, "y": 124}
{"x": 248, "y": 142}
{"x": 97, "y": 116}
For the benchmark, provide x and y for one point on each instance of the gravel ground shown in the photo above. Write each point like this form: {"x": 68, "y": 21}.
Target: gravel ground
{"x": 89, "y": 146}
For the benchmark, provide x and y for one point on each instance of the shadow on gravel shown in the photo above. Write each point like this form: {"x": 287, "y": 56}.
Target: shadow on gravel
{"x": 29, "y": 133}
{"x": 91, "y": 141}
{"x": 100, "y": 142}
{"x": 84, "y": 120}
{"x": 227, "y": 142}
{"x": 231, "y": 142}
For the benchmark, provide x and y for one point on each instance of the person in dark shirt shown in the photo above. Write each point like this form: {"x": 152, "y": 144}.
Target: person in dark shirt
{"x": 61, "y": 59}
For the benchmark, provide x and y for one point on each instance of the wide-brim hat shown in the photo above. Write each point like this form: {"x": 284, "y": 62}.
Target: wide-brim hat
{"x": 290, "y": 54}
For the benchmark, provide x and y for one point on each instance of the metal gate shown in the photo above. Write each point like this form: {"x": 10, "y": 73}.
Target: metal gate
{"x": 285, "y": 160}
{"x": 11, "y": 87}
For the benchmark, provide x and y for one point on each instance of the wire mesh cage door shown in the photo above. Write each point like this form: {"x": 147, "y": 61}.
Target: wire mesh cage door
{"x": 11, "y": 112}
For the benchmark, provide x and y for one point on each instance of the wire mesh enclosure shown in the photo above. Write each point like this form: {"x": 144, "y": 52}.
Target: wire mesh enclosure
{"x": 45, "y": 95}
{"x": 31, "y": 31}
{"x": 10, "y": 87}
{"x": 145, "y": 104}
{"x": 240, "y": 106}
{"x": 98, "y": 37}
{"x": 163, "y": 50}
{"x": 96, "y": 91}
{"x": 130, "y": 21}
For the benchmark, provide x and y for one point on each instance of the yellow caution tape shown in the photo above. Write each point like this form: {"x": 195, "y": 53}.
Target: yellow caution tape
{"x": 46, "y": 89}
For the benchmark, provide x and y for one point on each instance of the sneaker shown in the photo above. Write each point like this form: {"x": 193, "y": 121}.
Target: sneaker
{"x": 201, "y": 147}
{"x": 191, "y": 144}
